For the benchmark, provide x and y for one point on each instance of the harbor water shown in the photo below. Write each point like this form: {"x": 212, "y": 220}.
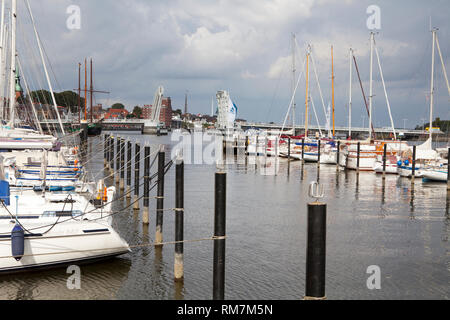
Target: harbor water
{"x": 403, "y": 230}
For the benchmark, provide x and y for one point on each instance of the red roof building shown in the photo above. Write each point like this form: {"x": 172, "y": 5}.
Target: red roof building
{"x": 116, "y": 114}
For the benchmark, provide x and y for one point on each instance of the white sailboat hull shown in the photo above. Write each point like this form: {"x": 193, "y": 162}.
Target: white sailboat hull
{"x": 68, "y": 243}
{"x": 435, "y": 175}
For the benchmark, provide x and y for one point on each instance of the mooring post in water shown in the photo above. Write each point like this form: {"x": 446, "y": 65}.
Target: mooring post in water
{"x": 146, "y": 213}
{"x": 219, "y": 236}
{"x": 289, "y": 150}
{"x": 117, "y": 157}
{"x": 122, "y": 162}
{"x": 137, "y": 166}
{"x": 448, "y": 169}
{"x": 338, "y": 155}
{"x": 413, "y": 174}
{"x": 316, "y": 246}
{"x": 129, "y": 165}
{"x": 384, "y": 161}
{"x": 111, "y": 153}
{"x": 179, "y": 219}
{"x": 318, "y": 153}
{"x": 105, "y": 148}
{"x": 160, "y": 197}
{"x": 303, "y": 150}
{"x": 358, "y": 157}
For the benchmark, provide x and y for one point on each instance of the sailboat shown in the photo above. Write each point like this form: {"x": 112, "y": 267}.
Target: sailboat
{"x": 44, "y": 221}
{"x": 371, "y": 150}
{"x": 434, "y": 168}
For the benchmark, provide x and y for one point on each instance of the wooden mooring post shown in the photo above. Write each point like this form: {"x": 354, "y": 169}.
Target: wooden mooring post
{"x": 146, "y": 213}
{"x": 316, "y": 250}
{"x": 413, "y": 172}
{"x": 137, "y": 167}
{"x": 219, "y": 236}
{"x": 117, "y": 157}
{"x": 160, "y": 197}
{"x": 129, "y": 165}
{"x": 122, "y": 165}
{"x": 384, "y": 161}
{"x": 179, "y": 220}
{"x": 358, "y": 157}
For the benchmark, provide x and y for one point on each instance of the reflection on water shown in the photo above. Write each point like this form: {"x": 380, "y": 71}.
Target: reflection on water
{"x": 402, "y": 228}
{"x": 98, "y": 281}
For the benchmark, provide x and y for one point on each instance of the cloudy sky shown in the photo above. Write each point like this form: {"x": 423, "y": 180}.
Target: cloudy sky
{"x": 202, "y": 46}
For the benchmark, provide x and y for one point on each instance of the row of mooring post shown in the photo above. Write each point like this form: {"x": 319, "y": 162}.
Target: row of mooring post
{"x": 316, "y": 224}
{"x": 115, "y": 156}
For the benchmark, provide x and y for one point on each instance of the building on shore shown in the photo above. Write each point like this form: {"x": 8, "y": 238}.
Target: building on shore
{"x": 165, "y": 115}
{"x": 116, "y": 114}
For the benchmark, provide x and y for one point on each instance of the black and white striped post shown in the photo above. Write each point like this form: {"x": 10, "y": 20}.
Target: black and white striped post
{"x": 146, "y": 213}
{"x": 160, "y": 197}
{"x": 137, "y": 167}
{"x": 219, "y": 236}
{"x": 179, "y": 219}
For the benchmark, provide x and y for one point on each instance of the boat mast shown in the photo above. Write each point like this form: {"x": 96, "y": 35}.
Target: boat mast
{"x": 85, "y": 90}
{"x": 91, "y": 95}
{"x": 294, "y": 78}
{"x": 372, "y": 38}
{"x": 307, "y": 94}
{"x": 45, "y": 68}
{"x": 444, "y": 71}
{"x": 332, "y": 86}
{"x": 2, "y": 23}
{"x": 432, "y": 88}
{"x": 79, "y": 92}
{"x": 350, "y": 95}
{"x": 12, "y": 75}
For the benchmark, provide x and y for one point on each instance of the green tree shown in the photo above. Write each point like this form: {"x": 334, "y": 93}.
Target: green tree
{"x": 137, "y": 111}
{"x": 118, "y": 106}
{"x": 67, "y": 99}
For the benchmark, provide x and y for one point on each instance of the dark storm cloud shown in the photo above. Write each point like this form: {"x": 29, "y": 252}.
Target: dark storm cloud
{"x": 244, "y": 47}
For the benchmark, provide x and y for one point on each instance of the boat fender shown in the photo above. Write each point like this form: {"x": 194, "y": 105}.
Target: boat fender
{"x": 406, "y": 162}
{"x": 18, "y": 242}
{"x": 399, "y": 163}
